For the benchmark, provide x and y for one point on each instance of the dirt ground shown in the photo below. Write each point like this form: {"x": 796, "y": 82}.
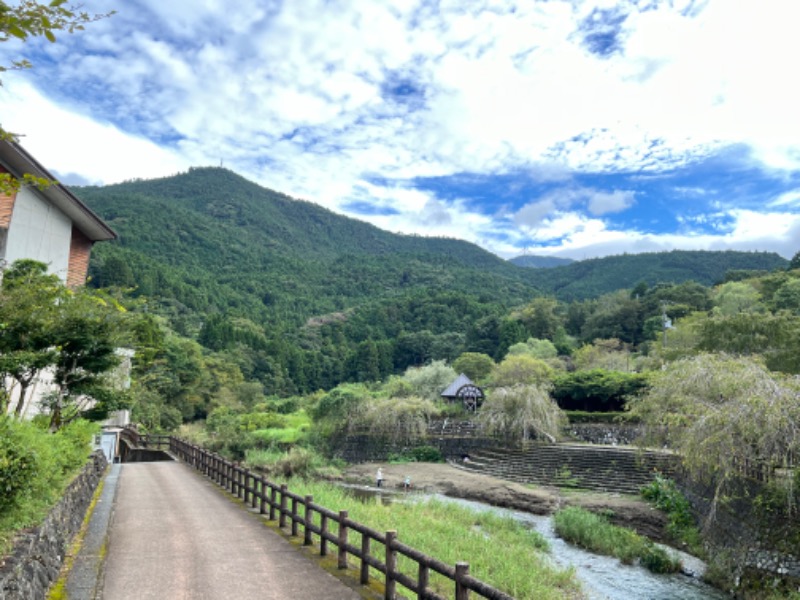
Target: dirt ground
{"x": 457, "y": 482}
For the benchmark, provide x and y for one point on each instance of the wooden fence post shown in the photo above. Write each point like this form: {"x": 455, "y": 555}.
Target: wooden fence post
{"x": 246, "y": 486}
{"x": 282, "y": 519}
{"x": 295, "y": 517}
{"x": 263, "y": 509}
{"x": 323, "y": 535}
{"x": 365, "y": 541}
{"x": 273, "y": 504}
{"x": 422, "y": 581}
{"x": 391, "y": 564}
{"x": 462, "y": 591}
{"x": 342, "y": 539}
{"x": 307, "y": 541}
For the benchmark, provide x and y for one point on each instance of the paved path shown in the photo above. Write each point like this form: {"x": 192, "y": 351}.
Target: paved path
{"x": 175, "y": 536}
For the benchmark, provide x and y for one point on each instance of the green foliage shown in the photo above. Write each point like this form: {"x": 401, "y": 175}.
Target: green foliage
{"x": 609, "y": 354}
{"x": 795, "y": 262}
{"x": 36, "y": 467}
{"x": 664, "y": 495}
{"x": 521, "y": 370}
{"x": 475, "y": 365}
{"x": 520, "y": 411}
{"x": 431, "y": 380}
{"x": 541, "y": 349}
{"x": 722, "y": 414}
{"x": 451, "y": 532}
{"x": 596, "y": 389}
{"x": 74, "y": 332}
{"x": 737, "y": 297}
{"x": 594, "y": 532}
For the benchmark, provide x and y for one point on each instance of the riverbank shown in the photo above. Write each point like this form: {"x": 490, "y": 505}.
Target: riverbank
{"x": 450, "y": 480}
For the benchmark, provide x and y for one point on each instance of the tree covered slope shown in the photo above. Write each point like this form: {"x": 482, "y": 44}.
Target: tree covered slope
{"x": 212, "y": 241}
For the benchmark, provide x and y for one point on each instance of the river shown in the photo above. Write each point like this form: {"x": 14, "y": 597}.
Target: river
{"x": 602, "y": 577}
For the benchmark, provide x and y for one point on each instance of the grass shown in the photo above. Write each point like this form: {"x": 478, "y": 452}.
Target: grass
{"x": 35, "y": 468}
{"x": 593, "y": 532}
{"x": 500, "y": 551}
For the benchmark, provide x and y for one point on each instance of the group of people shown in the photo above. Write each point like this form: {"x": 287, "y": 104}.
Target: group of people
{"x": 379, "y": 480}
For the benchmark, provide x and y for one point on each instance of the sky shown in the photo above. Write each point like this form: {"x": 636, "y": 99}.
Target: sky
{"x": 549, "y": 127}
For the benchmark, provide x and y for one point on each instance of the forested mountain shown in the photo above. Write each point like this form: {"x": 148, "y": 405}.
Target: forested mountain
{"x": 594, "y": 277}
{"x": 299, "y": 298}
{"x": 539, "y": 262}
{"x": 215, "y": 242}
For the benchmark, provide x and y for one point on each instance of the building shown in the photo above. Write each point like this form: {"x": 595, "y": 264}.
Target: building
{"x": 463, "y": 390}
{"x": 50, "y": 225}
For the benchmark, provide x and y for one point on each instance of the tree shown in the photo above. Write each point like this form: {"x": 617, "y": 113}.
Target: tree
{"x": 542, "y": 349}
{"x": 795, "y": 262}
{"x": 722, "y": 414}
{"x": 788, "y": 296}
{"x": 610, "y": 354}
{"x": 86, "y": 334}
{"x": 736, "y": 297}
{"x": 474, "y": 365}
{"x": 431, "y": 380}
{"x": 520, "y": 410}
{"x": 521, "y": 370}
{"x": 29, "y": 301}
{"x": 31, "y": 19}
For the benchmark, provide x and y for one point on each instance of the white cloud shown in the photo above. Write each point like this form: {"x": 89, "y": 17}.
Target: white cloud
{"x": 296, "y": 96}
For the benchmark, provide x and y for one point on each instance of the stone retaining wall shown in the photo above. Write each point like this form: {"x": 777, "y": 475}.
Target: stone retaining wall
{"x": 604, "y": 433}
{"x": 760, "y": 544}
{"x": 36, "y": 559}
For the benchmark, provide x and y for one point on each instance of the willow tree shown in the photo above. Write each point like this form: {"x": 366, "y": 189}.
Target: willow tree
{"x": 519, "y": 411}
{"x": 724, "y": 415}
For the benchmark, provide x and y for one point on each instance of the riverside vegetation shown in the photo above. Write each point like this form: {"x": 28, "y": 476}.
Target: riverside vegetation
{"x": 451, "y": 533}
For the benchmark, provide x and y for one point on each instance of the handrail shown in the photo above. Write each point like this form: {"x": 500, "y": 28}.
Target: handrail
{"x": 292, "y": 510}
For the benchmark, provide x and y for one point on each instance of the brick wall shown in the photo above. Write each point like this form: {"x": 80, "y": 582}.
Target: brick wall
{"x": 80, "y": 249}
{"x": 6, "y": 205}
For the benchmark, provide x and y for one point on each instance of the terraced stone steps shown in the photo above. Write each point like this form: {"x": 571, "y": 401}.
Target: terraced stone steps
{"x": 585, "y": 466}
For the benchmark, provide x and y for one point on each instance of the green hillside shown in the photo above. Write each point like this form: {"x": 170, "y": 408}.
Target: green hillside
{"x": 597, "y": 276}
{"x": 539, "y": 262}
{"x": 215, "y": 242}
{"x": 300, "y": 298}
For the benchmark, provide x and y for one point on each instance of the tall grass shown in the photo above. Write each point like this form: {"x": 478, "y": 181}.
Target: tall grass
{"x": 499, "y": 550}
{"x": 593, "y": 532}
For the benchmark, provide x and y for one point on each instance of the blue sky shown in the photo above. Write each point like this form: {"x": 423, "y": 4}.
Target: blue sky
{"x": 552, "y": 127}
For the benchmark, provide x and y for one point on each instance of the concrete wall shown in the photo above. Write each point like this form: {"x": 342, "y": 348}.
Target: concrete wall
{"x": 36, "y": 559}
{"x": 38, "y": 230}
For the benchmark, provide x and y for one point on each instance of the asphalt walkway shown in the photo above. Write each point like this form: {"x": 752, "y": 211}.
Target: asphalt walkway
{"x": 174, "y": 535}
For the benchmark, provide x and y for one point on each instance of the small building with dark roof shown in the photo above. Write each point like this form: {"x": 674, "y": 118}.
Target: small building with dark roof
{"x": 463, "y": 390}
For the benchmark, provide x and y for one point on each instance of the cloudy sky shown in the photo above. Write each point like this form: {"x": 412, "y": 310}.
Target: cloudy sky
{"x": 552, "y": 127}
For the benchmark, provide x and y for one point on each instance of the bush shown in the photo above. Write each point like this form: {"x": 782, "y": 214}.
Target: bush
{"x": 427, "y": 454}
{"x": 666, "y": 496}
{"x": 17, "y": 465}
{"x": 35, "y": 467}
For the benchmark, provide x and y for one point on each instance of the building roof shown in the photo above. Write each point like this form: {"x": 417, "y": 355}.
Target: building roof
{"x": 453, "y": 388}
{"x": 19, "y": 162}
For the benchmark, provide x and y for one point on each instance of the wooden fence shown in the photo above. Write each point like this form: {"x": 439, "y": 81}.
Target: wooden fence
{"x": 294, "y": 512}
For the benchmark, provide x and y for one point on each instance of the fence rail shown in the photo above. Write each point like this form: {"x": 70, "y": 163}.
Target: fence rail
{"x": 294, "y": 512}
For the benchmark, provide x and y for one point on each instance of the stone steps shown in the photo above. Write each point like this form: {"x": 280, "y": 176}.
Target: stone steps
{"x": 600, "y": 468}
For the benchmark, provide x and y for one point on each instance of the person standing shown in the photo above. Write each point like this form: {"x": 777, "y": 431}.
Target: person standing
{"x": 379, "y": 477}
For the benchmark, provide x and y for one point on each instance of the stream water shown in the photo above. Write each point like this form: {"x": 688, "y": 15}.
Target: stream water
{"x": 602, "y": 577}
